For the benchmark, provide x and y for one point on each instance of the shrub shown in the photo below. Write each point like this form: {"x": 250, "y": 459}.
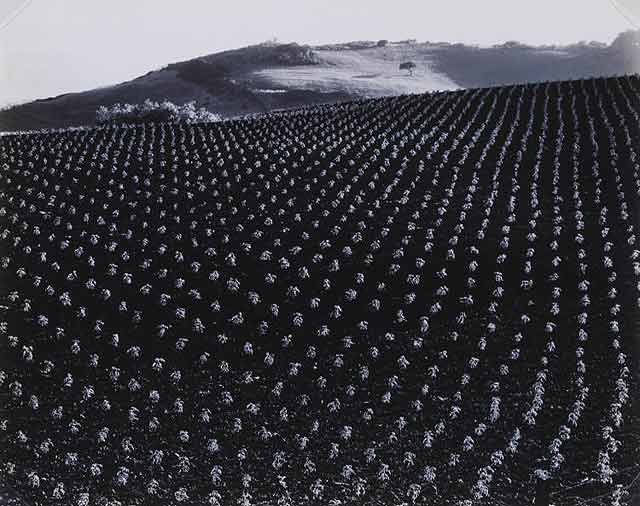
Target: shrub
{"x": 150, "y": 111}
{"x": 408, "y": 65}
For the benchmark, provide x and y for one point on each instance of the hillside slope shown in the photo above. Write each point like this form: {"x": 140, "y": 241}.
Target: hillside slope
{"x": 265, "y": 77}
{"x": 425, "y": 299}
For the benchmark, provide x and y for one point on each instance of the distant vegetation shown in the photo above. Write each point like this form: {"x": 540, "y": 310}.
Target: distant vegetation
{"x": 154, "y": 111}
{"x": 629, "y": 40}
{"x": 266, "y": 54}
{"x": 409, "y": 66}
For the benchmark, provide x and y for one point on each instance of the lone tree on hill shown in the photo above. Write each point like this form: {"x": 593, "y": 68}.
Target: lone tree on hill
{"x": 408, "y": 65}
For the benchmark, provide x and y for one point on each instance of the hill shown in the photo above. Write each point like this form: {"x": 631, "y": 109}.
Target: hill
{"x": 269, "y": 76}
{"x": 426, "y": 299}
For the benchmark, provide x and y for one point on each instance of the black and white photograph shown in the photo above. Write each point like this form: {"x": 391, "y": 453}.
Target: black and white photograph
{"x": 304, "y": 253}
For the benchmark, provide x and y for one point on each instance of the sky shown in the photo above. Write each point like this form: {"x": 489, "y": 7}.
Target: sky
{"x": 50, "y": 47}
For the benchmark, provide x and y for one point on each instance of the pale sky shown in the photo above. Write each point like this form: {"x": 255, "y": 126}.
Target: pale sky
{"x": 58, "y": 46}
